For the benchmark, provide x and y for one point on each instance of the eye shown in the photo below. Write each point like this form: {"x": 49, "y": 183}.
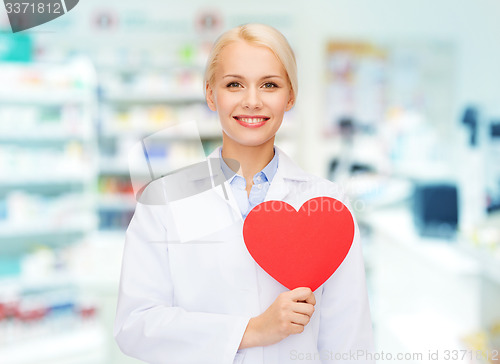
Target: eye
{"x": 270, "y": 85}
{"x": 233, "y": 84}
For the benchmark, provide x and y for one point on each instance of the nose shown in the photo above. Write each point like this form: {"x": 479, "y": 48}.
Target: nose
{"x": 252, "y": 99}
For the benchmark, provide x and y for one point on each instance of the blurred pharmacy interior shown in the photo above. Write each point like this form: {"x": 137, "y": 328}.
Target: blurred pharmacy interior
{"x": 399, "y": 101}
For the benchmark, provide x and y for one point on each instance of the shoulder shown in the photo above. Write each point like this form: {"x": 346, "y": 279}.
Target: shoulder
{"x": 308, "y": 183}
{"x": 321, "y": 187}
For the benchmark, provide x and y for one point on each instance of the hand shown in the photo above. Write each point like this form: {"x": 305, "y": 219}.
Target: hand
{"x": 287, "y": 315}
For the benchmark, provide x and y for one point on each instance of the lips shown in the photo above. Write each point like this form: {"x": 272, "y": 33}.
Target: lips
{"x": 251, "y": 121}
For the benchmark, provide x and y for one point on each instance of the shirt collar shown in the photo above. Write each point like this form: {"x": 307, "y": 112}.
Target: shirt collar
{"x": 269, "y": 170}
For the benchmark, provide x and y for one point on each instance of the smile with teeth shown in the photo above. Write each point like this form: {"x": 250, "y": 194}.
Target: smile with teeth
{"x": 251, "y": 120}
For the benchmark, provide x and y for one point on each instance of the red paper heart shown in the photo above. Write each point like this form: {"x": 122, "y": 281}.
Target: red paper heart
{"x": 299, "y": 248}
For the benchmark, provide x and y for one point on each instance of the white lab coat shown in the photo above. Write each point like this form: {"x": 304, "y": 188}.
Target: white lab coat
{"x": 189, "y": 286}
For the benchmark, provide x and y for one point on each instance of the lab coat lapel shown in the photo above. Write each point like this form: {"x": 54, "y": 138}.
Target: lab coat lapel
{"x": 278, "y": 189}
{"x": 224, "y": 191}
{"x": 287, "y": 173}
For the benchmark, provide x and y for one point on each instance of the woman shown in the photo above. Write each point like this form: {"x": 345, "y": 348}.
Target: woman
{"x": 206, "y": 300}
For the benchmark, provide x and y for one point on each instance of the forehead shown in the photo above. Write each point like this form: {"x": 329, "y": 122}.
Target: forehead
{"x": 245, "y": 59}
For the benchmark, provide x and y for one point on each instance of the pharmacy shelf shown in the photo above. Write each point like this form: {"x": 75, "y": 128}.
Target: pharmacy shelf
{"x": 117, "y": 166}
{"x": 42, "y": 136}
{"x": 50, "y": 151}
{"x": 21, "y": 182}
{"x": 207, "y": 130}
{"x": 154, "y": 98}
{"x": 118, "y": 66}
{"x": 20, "y": 245}
{"x": 86, "y": 344}
{"x": 42, "y": 97}
{"x": 44, "y": 228}
{"x": 117, "y": 202}
{"x": 56, "y": 280}
{"x": 41, "y": 188}
{"x": 118, "y": 169}
{"x": 39, "y": 283}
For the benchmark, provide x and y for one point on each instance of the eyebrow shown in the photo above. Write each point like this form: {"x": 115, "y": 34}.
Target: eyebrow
{"x": 262, "y": 78}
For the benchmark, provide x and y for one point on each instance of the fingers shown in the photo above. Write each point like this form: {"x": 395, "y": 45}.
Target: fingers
{"x": 289, "y": 314}
{"x": 303, "y": 294}
{"x": 296, "y": 328}
{"x": 299, "y": 319}
{"x": 311, "y": 299}
{"x": 303, "y": 308}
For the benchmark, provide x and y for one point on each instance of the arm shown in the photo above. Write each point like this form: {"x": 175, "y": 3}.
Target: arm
{"x": 147, "y": 325}
{"x": 345, "y": 321}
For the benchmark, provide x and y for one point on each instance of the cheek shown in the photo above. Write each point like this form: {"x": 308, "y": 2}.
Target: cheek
{"x": 226, "y": 102}
{"x": 279, "y": 102}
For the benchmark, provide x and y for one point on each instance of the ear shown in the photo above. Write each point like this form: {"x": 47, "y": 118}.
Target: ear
{"x": 291, "y": 101}
{"x": 210, "y": 97}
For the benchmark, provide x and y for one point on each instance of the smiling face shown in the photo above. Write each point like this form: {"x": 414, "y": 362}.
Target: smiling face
{"x": 250, "y": 92}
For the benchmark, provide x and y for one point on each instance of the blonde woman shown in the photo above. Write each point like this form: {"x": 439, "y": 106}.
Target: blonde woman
{"x": 206, "y": 300}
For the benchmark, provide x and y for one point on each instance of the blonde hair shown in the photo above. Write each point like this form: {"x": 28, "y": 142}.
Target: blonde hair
{"x": 260, "y": 35}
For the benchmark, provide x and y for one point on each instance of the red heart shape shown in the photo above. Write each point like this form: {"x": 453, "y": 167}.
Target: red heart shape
{"x": 299, "y": 248}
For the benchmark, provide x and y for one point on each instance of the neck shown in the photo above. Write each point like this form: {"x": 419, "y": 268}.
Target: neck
{"x": 252, "y": 159}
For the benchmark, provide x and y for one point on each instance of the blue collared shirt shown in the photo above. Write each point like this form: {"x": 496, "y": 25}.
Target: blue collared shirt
{"x": 261, "y": 183}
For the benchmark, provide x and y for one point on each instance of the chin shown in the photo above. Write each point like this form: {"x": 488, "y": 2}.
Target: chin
{"x": 251, "y": 138}
{"x": 247, "y": 141}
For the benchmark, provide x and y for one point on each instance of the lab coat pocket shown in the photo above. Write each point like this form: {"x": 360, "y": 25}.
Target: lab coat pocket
{"x": 216, "y": 273}
{"x": 201, "y": 215}
{"x": 203, "y": 276}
